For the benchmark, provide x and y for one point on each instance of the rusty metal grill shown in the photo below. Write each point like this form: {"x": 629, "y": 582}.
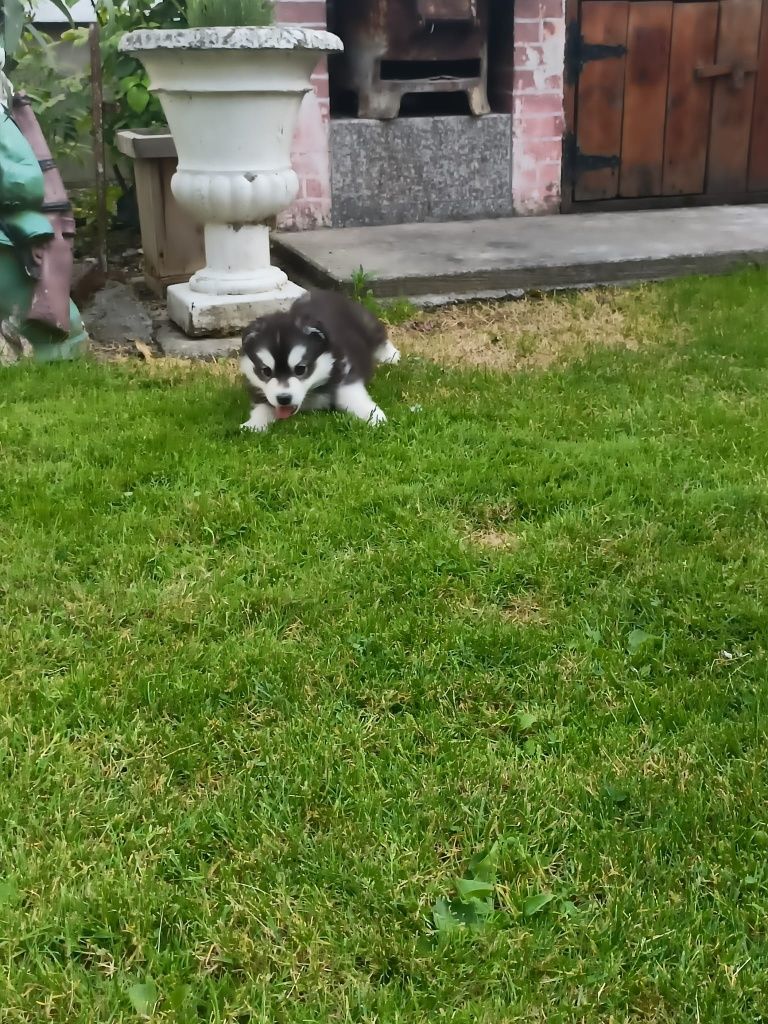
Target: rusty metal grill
{"x": 447, "y": 10}
{"x": 397, "y": 48}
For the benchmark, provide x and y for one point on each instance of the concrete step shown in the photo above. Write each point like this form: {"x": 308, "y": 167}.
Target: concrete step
{"x": 472, "y": 259}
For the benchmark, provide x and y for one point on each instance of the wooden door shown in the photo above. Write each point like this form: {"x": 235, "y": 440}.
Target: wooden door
{"x": 668, "y": 101}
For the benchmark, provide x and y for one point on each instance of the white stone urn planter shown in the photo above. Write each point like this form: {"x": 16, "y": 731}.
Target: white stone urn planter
{"x": 232, "y": 98}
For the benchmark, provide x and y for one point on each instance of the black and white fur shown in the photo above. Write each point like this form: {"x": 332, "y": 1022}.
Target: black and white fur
{"x": 320, "y": 354}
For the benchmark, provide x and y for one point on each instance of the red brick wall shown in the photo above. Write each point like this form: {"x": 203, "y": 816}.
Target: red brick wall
{"x": 528, "y": 82}
{"x": 310, "y": 155}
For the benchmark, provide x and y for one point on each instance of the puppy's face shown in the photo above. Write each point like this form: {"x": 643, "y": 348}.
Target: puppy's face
{"x": 285, "y": 358}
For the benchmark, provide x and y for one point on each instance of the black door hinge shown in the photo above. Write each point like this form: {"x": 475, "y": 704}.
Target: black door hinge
{"x": 579, "y": 52}
{"x": 578, "y": 163}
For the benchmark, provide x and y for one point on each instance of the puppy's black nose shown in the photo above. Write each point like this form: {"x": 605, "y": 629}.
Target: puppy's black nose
{"x": 283, "y": 399}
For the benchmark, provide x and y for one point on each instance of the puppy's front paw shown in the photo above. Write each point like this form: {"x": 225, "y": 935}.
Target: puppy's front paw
{"x": 262, "y": 418}
{"x": 376, "y": 417}
{"x": 387, "y": 354}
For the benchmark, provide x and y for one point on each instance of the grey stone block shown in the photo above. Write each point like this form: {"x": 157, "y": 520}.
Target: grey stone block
{"x": 176, "y": 344}
{"x": 420, "y": 169}
{"x": 116, "y": 314}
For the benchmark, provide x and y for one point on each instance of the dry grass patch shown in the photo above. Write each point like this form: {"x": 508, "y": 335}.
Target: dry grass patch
{"x": 535, "y": 332}
{"x": 495, "y": 540}
{"x": 520, "y": 610}
{"x": 523, "y": 610}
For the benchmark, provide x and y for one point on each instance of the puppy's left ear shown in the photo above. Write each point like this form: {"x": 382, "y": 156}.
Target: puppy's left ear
{"x": 312, "y": 329}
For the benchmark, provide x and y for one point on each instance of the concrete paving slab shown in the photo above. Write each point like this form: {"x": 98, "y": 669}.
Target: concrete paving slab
{"x": 461, "y": 260}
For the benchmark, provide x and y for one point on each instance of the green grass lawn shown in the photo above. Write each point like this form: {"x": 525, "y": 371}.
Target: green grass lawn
{"x": 263, "y": 698}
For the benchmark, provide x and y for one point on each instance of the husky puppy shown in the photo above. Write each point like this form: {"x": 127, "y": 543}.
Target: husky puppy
{"x": 320, "y": 354}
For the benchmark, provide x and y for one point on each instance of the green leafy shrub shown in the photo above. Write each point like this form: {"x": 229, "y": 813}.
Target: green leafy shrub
{"x": 63, "y": 101}
{"x": 207, "y": 13}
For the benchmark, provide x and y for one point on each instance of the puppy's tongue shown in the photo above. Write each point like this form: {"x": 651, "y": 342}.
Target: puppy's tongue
{"x": 284, "y": 412}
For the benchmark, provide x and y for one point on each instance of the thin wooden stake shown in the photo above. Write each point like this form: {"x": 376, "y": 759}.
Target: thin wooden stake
{"x": 97, "y": 108}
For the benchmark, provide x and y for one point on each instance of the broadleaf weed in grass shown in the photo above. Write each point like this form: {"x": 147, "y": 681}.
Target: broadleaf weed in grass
{"x": 472, "y": 907}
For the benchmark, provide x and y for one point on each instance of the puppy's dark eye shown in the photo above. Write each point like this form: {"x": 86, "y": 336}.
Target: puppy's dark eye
{"x": 265, "y": 373}
{"x": 300, "y": 370}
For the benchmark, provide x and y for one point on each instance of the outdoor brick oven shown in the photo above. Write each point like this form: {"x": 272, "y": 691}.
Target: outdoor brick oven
{"x": 510, "y": 159}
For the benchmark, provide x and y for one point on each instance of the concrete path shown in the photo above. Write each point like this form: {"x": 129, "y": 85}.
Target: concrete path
{"x": 439, "y": 262}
